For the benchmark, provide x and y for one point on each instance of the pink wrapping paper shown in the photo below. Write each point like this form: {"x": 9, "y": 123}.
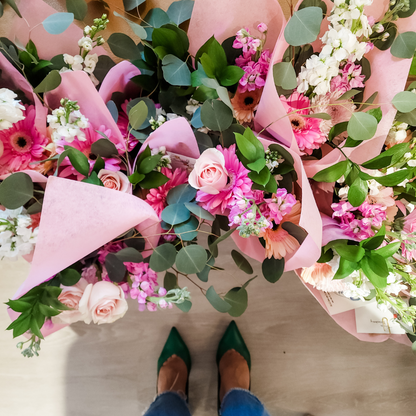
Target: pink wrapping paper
{"x": 12, "y": 79}
{"x": 388, "y": 77}
{"x": 310, "y": 220}
{"x": 118, "y": 79}
{"x": 48, "y": 46}
{"x": 346, "y": 320}
{"x": 77, "y": 86}
{"x": 78, "y": 218}
{"x": 223, "y": 18}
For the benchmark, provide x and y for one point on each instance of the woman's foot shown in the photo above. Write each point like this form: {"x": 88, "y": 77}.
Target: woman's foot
{"x": 173, "y": 375}
{"x": 234, "y": 372}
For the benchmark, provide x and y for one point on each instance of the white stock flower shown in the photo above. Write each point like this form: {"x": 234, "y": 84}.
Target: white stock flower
{"x": 90, "y": 62}
{"x": 86, "y": 43}
{"x": 10, "y": 109}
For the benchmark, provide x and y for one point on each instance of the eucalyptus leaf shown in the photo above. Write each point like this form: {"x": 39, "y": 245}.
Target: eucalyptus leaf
{"x": 138, "y": 115}
{"x": 57, "y": 23}
{"x": 129, "y": 255}
{"x": 362, "y": 126}
{"x": 273, "y": 268}
{"x": 78, "y": 7}
{"x": 104, "y": 148}
{"x": 199, "y": 212}
{"x": 187, "y": 230}
{"x": 203, "y": 275}
{"x": 132, "y": 4}
{"x": 180, "y": 11}
{"x": 404, "y": 101}
{"x": 151, "y": 110}
{"x": 191, "y": 259}
{"x": 123, "y": 46}
{"x": 163, "y": 257}
{"x": 50, "y": 82}
{"x": 314, "y": 3}
{"x": 175, "y": 71}
{"x": 284, "y": 75}
{"x": 237, "y": 297}
{"x": 404, "y": 45}
{"x": 136, "y": 28}
{"x": 181, "y": 194}
{"x": 304, "y": 26}
{"x": 115, "y": 268}
{"x": 241, "y": 262}
{"x": 175, "y": 214}
{"x": 216, "y": 301}
{"x": 216, "y": 115}
{"x": 16, "y": 190}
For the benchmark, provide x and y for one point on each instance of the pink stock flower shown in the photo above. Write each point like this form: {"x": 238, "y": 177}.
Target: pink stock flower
{"x": 306, "y": 130}
{"x": 262, "y": 27}
{"x": 91, "y": 136}
{"x": 144, "y": 285}
{"x": 279, "y": 205}
{"x": 349, "y": 78}
{"x": 90, "y": 274}
{"x": 409, "y": 247}
{"x": 253, "y": 77}
{"x": 239, "y": 184}
{"x": 22, "y": 144}
{"x": 156, "y": 197}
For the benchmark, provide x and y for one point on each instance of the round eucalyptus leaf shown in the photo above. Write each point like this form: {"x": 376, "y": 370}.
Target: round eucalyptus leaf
{"x": 50, "y": 82}
{"x": 180, "y": 11}
{"x": 216, "y": 115}
{"x": 199, "y": 212}
{"x": 16, "y": 190}
{"x": 163, "y": 257}
{"x": 176, "y": 71}
{"x": 123, "y": 46}
{"x": 57, "y": 23}
{"x": 237, "y": 297}
{"x": 181, "y": 194}
{"x": 241, "y": 262}
{"x": 151, "y": 110}
{"x": 191, "y": 259}
{"x": 362, "y": 126}
{"x": 115, "y": 268}
{"x": 138, "y": 115}
{"x": 175, "y": 214}
{"x": 404, "y": 101}
{"x": 78, "y": 7}
{"x": 284, "y": 75}
{"x": 404, "y": 45}
{"x": 304, "y": 26}
{"x": 187, "y": 231}
{"x": 216, "y": 301}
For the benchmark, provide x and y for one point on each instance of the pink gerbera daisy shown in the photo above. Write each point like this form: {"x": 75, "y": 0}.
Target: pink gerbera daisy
{"x": 239, "y": 185}
{"x": 22, "y": 144}
{"x": 91, "y": 137}
{"x": 307, "y": 131}
{"x": 156, "y": 198}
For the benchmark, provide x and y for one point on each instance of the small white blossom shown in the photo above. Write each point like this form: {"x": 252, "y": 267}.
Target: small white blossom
{"x": 86, "y": 43}
{"x": 10, "y": 109}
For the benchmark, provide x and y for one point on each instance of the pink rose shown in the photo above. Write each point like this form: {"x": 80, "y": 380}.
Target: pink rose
{"x": 209, "y": 174}
{"x": 103, "y": 303}
{"x": 71, "y": 297}
{"x": 114, "y": 180}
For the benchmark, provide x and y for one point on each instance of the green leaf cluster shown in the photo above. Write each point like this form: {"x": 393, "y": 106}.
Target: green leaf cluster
{"x": 37, "y": 305}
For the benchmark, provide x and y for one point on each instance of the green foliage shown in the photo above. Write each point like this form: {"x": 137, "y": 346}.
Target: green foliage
{"x": 357, "y": 192}
{"x": 404, "y": 101}
{"x": 237, "y": 297}
{"x": 138, "y": 115}
{"x": 155, "y": 18}
{"x": 404, "y": 45}
{"x": 273, "y": 269}
{"x": 284, "y": 75}
{"x": 78, "y": 160}
{"x": 241, "y": 262}
{"x": 104, "y": 148}
{"x": 180, "y": 11}
{"x": 203, "y": 275}
{"x": 78, "y": 7}
{"x": 123, "y": 46}
{"x": 389, "y": 28}
{"x": 362, "y": 126}
{"x": 35, "y": 306}
{"x": 314, "y": 3}
{"x": 216, "y": 301}
{"x": 191, "y": 259}
{"x": 16, "y": 190}
{"x": 68, "y": 277}
{"x": 163, "y": 257}
{"x": 187, "y": 230}
{"x": 175, "y": 214}
{"x": 175, "y": 71}
{"x": 216, "y": 115}
{"x": 13, "y": 5}
{"x": 132, "y": 4}
{"x": 387, "y": 158}
{"x": 181, "y": 194}
{"x": 50, "y": 82}
{"x": 304, "y": 26}
{"x": 57, "y": 23}
{"x": 136, "y": 28}
{"x": 332, "y": 173}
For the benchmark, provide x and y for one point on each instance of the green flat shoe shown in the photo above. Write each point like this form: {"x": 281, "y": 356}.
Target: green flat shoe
{"x": 175, "y": 345}
{"x": 231, "y": 340}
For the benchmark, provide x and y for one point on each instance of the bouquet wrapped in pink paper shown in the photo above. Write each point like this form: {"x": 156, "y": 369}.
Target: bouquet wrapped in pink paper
{"x": 138, "y": 161}
{"x": 336, "y": 69}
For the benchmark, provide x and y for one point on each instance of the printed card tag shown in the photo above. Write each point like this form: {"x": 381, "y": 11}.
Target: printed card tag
{"x": 337, "y": 303}
{"x": 371, "y": 320}
{"x": 181, "y": 162}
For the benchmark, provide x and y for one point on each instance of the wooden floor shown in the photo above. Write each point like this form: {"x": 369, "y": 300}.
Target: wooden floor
{"x": 303, "y": 363}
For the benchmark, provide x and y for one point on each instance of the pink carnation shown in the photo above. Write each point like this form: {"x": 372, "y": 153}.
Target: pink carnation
{"x": 22, "y": 144}
{"x": 239, "y": 184}
{"x": 156, "y": 197}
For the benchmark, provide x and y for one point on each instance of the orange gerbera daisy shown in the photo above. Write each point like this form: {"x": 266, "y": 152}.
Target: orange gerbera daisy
{"x": 279, "y": 243}
{"x": 245, "y": 104}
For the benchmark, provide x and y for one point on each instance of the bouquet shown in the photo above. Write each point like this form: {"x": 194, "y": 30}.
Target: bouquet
{"x": 135, "y": 163}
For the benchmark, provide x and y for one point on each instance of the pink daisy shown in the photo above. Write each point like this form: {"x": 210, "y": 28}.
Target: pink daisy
{"x": 156, "y": 198}
{"x": 91, "y": 137}
{"x": 307, "y": 131}
{"x": 22, "y": 144}
{"x": 239, "y": 185}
